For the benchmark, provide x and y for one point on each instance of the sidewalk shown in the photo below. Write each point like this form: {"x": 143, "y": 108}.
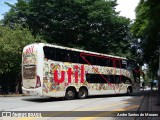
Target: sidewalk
{"x": 12, "y": 95}
{"x": 154, "y": 104}
{"x": 150, "y": 104}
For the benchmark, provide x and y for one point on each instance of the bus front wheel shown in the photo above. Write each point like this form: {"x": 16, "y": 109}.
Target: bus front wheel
{"x": 83, "y": 93}
{"x": 129, "y": 91}
{"x": 70, "y": 94}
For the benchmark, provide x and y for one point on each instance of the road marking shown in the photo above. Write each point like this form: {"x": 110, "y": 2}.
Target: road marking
{"x": 127, "y": 108}
{"x": 87, "y": 109}
{"x": 95, "y": 108}
{"x": 107, "y": 113}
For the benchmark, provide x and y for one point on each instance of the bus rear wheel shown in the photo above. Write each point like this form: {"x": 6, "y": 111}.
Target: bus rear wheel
{"x": 129, "y": 91}
{"x": 70, "y": 94}
{"x": 83, "y": 93}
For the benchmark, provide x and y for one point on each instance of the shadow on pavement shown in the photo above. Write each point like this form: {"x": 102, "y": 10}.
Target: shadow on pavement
{"x": 43, "y": 99}
{"x": 51, "y": 99}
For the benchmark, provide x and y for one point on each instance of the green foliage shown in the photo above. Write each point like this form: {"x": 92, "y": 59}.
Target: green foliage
{"x": 147, "y": 29}
{"x": 12, "y": 41}
{"x": 90, "y": 24}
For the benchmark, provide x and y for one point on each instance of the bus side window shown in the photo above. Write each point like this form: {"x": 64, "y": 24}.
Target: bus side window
{"x": 120, "y": 79}
{"x": 117, "y": 79}
{"x": 107, "y": 62}
{"x": 117, "y": 63}
{"x": 126, "y": 80}
{"x": 102, "y": 78}
{"x": 96, "y": 79}
{"x": 60, "y": 55}
{"x": 112, "y": 79}
{"x": 110, "y": 61}
{"x": 46, "y": 52}
{"x": 89, "y": 60}
{"x": 109, "y": 78}
{"x": 67, "y": 57}
{"x": 74, "y": 56}
{"x": 88, "y": 78}
{"x": 123, "y": 64}
{"x": 95, "y": 60}
{"x": 49, "y": 53}
{"x": 82, "y": 59}
{"x": 123, "y": 79}
{"x": 102, "y": 61}
{"x": 91, "y": 78}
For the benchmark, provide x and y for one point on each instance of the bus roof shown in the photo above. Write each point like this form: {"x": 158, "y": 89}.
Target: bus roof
{"x": 78, "y": 50}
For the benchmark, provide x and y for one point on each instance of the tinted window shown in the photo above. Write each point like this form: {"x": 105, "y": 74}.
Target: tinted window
{"x": 74, "y": 56}
{"x": 109, "y": 62}
{"x": 123, "y": 64}
{"x": 126, "y": 80}
{"x": 117, "y": 62}
{"x": 50, "y": 53}
{"x": 100, "y": 78}
{"x": 102, "y": 61}
{"x": 93, "y": 60}
{"x": 95, "y": 78}
{"x": 63, "y": 55}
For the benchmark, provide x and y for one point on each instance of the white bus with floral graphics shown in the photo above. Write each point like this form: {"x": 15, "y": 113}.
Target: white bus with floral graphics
{"x": 56, "y": 71}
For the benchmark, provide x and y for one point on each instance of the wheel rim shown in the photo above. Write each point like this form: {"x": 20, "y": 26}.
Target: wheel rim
{"x": 82, "y": 93}
{"x": 70, "y": 94}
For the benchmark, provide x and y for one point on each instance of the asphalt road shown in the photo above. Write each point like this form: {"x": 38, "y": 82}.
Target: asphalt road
{"x": 96, "y": 107}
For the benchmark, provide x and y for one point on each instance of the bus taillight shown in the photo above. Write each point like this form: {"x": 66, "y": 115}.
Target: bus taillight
{"x": 38, "y": 82}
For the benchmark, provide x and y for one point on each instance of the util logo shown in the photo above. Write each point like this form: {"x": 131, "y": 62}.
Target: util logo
{"x": 29, "y": 50}
{"x": 69, "y": 73}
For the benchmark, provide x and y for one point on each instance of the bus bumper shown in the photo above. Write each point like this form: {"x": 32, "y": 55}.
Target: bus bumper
{"x": 36, "y": 91}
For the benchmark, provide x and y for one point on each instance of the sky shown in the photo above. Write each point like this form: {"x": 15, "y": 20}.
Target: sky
{"x": 5, "y": 8}
{"x": 126, "y": 7}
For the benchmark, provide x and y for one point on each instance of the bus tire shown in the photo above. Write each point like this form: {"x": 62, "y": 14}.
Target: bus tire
{"x": 128, "y": 91}
{"x": 70, "y": 94}
{"x": 83, "y": 93}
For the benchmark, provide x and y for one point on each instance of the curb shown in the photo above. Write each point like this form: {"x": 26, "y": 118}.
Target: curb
{"x": 150, "y": 104}
{"x": 153, "y": 96}
{"x": 13, "y": 95}
{"x": 150, "y": 101}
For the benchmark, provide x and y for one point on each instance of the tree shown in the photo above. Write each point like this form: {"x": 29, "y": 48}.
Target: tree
{"x": 147, "y": 29}
{"x": 12, "y": 41}
{"x": 90, "y": 24}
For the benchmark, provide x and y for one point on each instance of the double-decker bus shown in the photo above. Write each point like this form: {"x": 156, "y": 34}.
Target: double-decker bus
{"x": 56, "y": 71}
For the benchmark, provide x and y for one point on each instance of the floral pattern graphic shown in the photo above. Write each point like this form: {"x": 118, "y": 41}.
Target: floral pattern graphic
{"x": 49, "y": 85}
{"x": 30, "y": 58}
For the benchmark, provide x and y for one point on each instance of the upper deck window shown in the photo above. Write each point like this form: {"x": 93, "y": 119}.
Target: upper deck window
{"x": 64, "y": 55}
